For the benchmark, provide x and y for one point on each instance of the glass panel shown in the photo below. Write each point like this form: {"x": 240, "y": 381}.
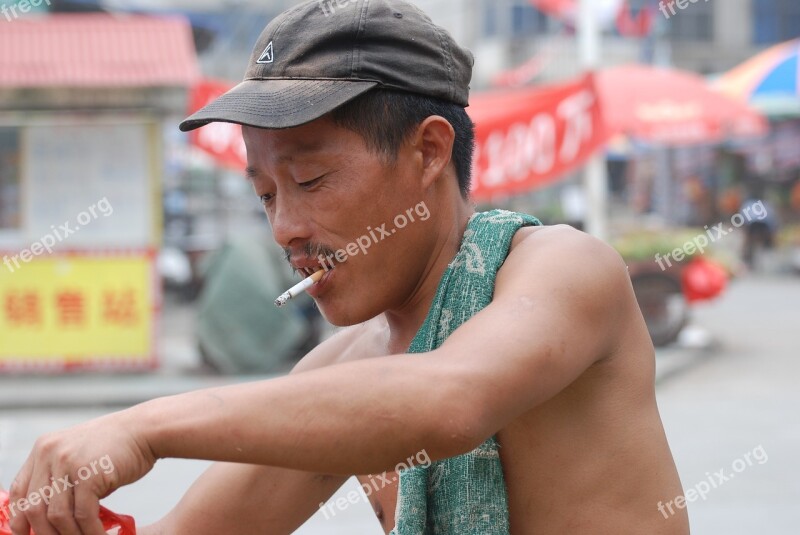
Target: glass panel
{"x": 693, "y": 23}
{"x": 10, "y": 191}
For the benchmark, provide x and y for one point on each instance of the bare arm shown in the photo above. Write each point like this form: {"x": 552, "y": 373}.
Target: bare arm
{"x": 247, "y": 498}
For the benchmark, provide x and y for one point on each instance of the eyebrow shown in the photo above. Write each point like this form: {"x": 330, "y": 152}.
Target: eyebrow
{"x": 302, "y": 148}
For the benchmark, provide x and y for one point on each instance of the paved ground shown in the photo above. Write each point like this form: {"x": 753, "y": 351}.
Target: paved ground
{"x": 718, "y": 406}
{"x": 743, "y": 400}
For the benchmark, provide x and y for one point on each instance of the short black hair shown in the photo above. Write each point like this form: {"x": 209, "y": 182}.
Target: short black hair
{"x": 385, "y": 118}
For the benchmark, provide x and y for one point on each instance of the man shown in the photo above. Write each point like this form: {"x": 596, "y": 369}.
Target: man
{"x": 538, "y": 410}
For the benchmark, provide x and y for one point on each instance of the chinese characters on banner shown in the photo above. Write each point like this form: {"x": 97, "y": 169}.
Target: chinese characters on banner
{"x": 529, "y": 138}
{"x": 78, "y": 310}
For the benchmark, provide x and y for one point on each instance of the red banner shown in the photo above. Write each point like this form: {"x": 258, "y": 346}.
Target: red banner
{"x": 223, "y": 141}
{"x": 529, "y": 138}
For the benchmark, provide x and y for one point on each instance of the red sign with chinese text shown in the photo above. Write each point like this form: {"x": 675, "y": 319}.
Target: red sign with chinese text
{"x": 529, "y": 138}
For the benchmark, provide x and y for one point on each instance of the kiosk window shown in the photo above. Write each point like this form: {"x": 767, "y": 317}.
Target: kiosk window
{"x": 10, "y": 190}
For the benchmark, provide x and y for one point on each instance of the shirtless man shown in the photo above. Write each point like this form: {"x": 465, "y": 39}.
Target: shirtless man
{"x": 559, "y": 366}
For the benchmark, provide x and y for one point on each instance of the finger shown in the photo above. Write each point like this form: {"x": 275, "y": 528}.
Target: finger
{"x": 36, "y": 508}
{"x": 87, "y": 511}
{"x": 18, "y": 522}
{"x": 60, "y": 510}
{"x": 19, "y": 487}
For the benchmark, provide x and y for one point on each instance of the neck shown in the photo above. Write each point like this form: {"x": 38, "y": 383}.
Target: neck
{"x": 405, "y": 321}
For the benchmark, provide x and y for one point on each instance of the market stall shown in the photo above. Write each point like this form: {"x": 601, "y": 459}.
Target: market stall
{"x": 82, "y": 101}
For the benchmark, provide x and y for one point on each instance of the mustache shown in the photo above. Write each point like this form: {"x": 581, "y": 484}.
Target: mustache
{"x": 311, "y": 251}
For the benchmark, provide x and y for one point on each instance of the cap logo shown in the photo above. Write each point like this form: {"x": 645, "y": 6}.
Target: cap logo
{"x": 267, "y": 56}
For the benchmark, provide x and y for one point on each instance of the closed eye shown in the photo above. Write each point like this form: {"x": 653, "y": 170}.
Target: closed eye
{"x": 309, "y": 183}
{"x": 267, "y": 197}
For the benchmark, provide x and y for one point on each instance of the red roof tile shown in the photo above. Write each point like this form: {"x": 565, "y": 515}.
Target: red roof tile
{"x": 96, "y": 50}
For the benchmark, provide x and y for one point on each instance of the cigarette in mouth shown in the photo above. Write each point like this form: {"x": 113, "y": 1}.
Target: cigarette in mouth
{"x": 299, "y": 288}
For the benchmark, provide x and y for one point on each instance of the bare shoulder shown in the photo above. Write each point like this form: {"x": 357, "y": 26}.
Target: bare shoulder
{"x": 570, "y": 274}
{"x": 565, "y": 244}
{"x": 561, "y": 256}
{"x": 357, "y": 342}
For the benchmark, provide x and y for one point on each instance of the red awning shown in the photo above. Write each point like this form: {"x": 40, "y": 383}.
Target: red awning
{"x": 97, "y": 50}
{"x": 672, "y": 107}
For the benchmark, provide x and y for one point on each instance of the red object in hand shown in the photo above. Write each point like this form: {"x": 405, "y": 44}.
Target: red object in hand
{"x": 113, "y": 523}
{"x": 703, "y": 279}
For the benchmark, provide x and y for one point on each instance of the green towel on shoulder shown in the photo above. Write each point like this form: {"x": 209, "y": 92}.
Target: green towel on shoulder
{"x": 464, "y": 495}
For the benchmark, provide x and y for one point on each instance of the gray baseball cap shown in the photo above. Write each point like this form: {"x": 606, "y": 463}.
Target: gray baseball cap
{"x": 315, "y": 57}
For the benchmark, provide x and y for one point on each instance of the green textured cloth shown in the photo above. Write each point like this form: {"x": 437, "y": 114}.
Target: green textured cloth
{"x": 464, "y": 495}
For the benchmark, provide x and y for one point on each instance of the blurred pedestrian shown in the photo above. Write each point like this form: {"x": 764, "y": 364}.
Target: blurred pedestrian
{"x": 760, "y": 232}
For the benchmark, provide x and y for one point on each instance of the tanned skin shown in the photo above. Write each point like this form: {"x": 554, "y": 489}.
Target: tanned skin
{"x": 559, "y": 366}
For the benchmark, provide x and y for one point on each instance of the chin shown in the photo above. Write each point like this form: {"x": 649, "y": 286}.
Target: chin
{"x": 344, "y": 313}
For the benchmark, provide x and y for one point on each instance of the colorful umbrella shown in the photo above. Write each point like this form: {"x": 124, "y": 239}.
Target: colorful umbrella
{"x": 672, "y": 107}
{"x": 770, "y": 81}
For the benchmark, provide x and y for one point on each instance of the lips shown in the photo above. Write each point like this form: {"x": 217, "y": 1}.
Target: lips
{"x": 308, "y": 271}
{"x": 309, "y": 268}
{"x": 319, "y": 288}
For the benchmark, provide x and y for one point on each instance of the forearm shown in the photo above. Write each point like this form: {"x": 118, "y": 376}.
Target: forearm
{"x": 354, "y": 418}
{"x": 243, "y": 499}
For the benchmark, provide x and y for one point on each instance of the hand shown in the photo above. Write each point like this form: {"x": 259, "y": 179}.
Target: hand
{"x": 59, "y": 488}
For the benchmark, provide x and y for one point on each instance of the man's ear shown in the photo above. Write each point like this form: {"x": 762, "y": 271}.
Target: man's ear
{"x": 434, "y": 141}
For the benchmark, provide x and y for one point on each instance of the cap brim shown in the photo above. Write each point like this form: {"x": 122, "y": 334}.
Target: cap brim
{"x": 277, "y": 103}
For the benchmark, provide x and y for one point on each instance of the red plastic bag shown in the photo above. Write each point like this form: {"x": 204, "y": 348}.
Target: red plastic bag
{"x": 113, "y": 523}
{"x": 703, "y": 279}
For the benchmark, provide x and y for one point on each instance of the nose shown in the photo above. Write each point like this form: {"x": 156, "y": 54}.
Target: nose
{"x": 290, "y": 223}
